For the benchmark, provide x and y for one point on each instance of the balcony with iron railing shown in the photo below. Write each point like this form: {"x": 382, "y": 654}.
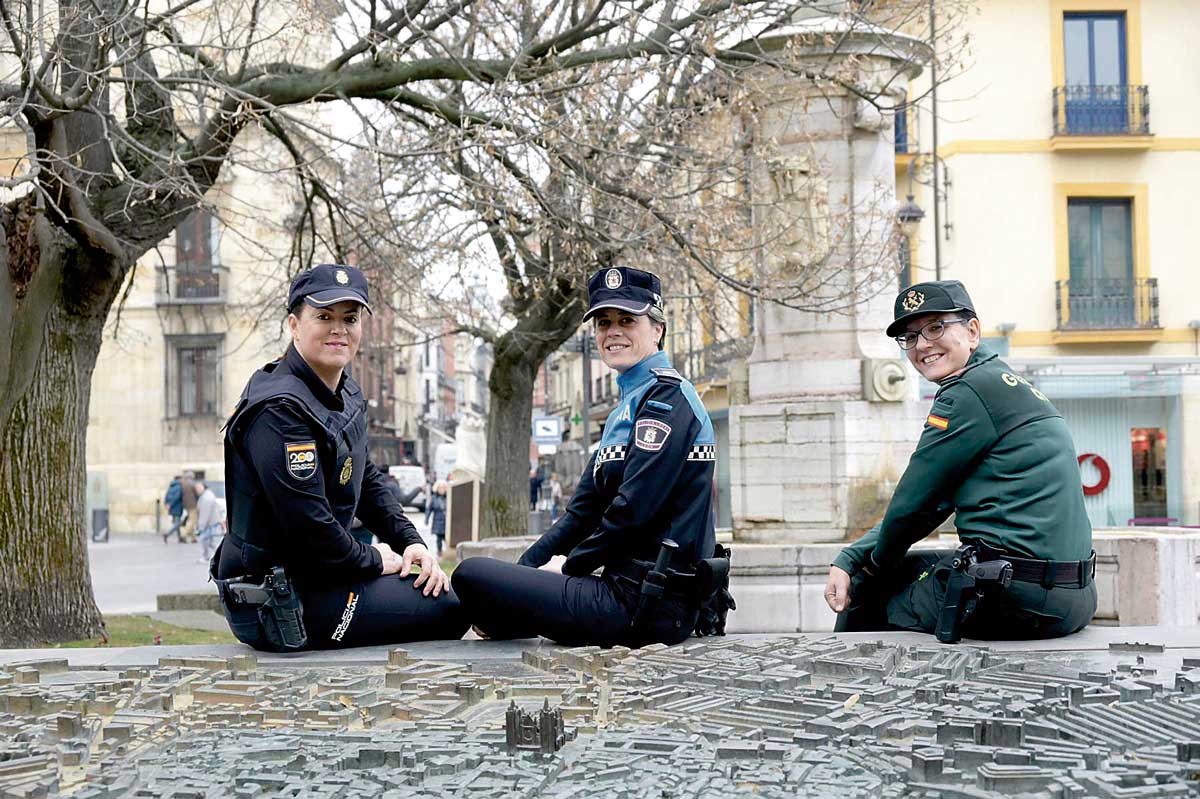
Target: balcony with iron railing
{"x": 1121, "y": 111}
{"x": 190, "y": 284}
{"x": 1107, "y": 304}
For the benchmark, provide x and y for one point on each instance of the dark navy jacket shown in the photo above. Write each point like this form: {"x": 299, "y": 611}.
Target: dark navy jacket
{"x": 297, "y": 471}
{"x": 650, "y": 479}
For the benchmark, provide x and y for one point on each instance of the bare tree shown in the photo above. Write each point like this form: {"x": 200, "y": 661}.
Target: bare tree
{"x": 655, "y": 160}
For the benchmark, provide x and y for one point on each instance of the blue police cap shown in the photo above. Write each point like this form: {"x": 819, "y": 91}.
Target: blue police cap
{"x": 329, "y": 284}
{"x": 935, "y": 296}
{"x": 625, "y": 289}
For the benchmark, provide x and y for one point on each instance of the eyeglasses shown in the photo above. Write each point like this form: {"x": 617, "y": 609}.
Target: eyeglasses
{"x": 931, "y": 332}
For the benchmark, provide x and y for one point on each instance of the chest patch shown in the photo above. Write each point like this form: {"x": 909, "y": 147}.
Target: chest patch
{"x": 347, "y": 471}
{"x": 301, "y": 459}
{"x": 650, "y": 434}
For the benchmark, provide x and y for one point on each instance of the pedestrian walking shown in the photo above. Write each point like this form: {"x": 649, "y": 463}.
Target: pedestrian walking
{"x": 187, "y": 533}
{"x": 210, "y": 521}
{"x": 437, "y": 526}
{"x": 556, "y": 497}
{"x": 173, "y": 500}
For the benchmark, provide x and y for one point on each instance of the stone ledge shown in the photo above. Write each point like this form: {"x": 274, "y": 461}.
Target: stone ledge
{"x": 190, "y": 600}
{"x": 505, "y": 549}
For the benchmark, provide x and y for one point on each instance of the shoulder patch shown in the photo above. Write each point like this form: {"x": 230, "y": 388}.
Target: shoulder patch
{"x": 301, "y": 459}
{"x": 668, "y": 375}
{"x": 940, "y": 422}
{"x": 650, "y": 434}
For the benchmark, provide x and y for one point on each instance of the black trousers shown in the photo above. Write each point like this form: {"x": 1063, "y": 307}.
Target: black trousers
{"x": 508, "y": 601}
{"x": 382, "y": 610}
{"x": 910, "y": 598}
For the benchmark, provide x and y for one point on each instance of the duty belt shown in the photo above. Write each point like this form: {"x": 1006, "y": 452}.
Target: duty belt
{"x": 680, "y": 585}
{"x": 1047, "y": 573}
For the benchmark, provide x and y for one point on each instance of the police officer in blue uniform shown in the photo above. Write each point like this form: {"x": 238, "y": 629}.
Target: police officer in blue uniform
{"x": 297, "y": 472}
{"x": 649, "y": 481}
{"x": 997, "y": 453}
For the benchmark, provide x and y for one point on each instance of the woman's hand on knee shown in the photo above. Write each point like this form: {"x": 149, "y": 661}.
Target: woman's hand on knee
{"x": 432, "y": 579}
{"x": 392, "y": 562}
{"x": 837, "y": 589}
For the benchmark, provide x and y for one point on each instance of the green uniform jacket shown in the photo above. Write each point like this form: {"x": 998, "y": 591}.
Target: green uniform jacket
{"x": 998, "y": 453}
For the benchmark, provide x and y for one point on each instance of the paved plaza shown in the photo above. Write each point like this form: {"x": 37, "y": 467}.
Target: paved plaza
{"x": 1111, "y": 712}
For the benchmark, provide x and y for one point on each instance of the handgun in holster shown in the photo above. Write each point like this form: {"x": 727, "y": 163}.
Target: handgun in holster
{"x": 968, "y": 580}
{"x": 278, "y": 604}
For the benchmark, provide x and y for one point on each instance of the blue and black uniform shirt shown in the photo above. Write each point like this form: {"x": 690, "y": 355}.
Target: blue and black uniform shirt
{"x": 650, "y": 478}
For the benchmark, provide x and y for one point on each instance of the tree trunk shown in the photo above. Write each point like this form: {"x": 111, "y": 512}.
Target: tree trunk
{"x": 53, "y": 336}
{"x": 506, "y": 490}
{"x": 45, "y": 587}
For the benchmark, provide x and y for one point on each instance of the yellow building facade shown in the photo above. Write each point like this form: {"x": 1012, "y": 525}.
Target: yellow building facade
{"x": 1069, "y": 148}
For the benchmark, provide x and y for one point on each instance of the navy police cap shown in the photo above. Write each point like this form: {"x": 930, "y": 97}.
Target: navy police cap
{"x": 937, "y": 296}
{"x": 625, "y": 289}
{"x": 329, "y": 284}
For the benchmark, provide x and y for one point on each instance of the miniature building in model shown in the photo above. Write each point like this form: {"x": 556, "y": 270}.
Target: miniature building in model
{"x": 542, "y": 732}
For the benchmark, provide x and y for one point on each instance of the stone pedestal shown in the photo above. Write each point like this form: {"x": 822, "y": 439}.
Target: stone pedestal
{"x": 826, "y": 434}
{"x": 780, "y": 588}
{"x": 1148, "y": 577}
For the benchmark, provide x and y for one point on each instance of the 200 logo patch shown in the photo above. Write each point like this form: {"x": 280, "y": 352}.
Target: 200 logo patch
{"x": 301, "y": 459}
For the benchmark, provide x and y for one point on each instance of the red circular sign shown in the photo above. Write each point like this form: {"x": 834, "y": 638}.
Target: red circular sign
{"x": 1102, "y": 467}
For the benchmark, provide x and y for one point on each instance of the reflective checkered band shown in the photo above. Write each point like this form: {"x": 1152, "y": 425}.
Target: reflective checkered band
{"x": 614, "y": 452}
{"x": 703, "y": 452}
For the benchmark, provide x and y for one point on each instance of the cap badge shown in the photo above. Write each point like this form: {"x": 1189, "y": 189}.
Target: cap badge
{"x": 341, "y": 277}
{"x": 612, "y": 278}
{"x": 913, "y": 300}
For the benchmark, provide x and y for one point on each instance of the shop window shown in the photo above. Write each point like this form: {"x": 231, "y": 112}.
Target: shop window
{"x": 1149, "y": 445}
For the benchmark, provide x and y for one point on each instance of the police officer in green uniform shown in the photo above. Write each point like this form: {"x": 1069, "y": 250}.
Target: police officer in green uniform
{"x": 995, "y": 452}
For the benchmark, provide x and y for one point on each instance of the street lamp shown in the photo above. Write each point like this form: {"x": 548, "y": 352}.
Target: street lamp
{"x": 909, "y": 216}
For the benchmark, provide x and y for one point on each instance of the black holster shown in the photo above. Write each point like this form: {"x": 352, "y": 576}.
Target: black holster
{"x": 969, "y": 578}
{"x": 712, "y": 575}
{"x": 280, "y": 611}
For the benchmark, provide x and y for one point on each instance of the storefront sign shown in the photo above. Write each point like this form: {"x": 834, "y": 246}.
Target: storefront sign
{"x": 1102, "y": 467}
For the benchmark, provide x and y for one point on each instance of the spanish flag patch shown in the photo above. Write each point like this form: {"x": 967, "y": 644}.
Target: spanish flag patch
{"x": 940, "y": 422}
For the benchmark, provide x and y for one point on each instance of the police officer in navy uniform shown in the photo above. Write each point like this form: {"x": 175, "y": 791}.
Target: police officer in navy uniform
{"x": 650, "y": 479}
{"x": 995, "y": 452}
{"x": 297, "y": 471}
